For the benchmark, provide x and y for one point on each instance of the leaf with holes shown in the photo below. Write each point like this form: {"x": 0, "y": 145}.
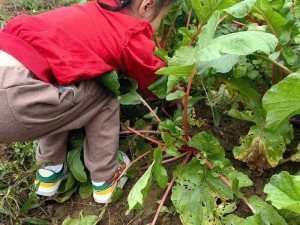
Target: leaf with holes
{"x": 194, "y": 193}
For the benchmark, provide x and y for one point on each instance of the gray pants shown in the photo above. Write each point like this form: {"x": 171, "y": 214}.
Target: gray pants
{"x": 32, "y": 109}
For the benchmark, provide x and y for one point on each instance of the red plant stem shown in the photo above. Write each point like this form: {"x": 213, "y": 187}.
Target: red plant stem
{"x": 134, "y": 161}
{"x": 150, "y": 109}
{"x": 239, "y": 23}
{"x": 165, "y": 161}
{"x": 189, "y": 18}
{"x": 143, "y": 136}
{"x": 168, "y": 33}
{"x": 187, "y": 158}
{"x": 196, "y": 34}
{"x": 185, "y": 108}
{"x": 165, "y": 112}
{"x": 140, "y": 131}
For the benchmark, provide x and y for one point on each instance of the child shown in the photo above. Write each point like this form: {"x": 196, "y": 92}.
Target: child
{"x": 47, "y": 66}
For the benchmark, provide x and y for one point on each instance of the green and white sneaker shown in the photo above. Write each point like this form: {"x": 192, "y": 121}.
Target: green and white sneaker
{"x": 102, "y": 191}
{"x": 48, "y": 182}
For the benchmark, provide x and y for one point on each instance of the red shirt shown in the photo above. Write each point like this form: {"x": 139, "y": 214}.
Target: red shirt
{"x": 80, "y": 42}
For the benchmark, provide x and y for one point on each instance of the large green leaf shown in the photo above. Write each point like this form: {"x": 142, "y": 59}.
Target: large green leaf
{"x": 240, "y": 43}
{"x": 263, "y": 148}
{"x": 139, "y": 191}
{"x": 208, "y": 31}
{"x": 241, "y": 9}
{"x": 194, "y": 193}
{"x": 265, "y": 214}
{"x": 281, "y": 102}
{"x": 284, "y": 191}
{"x": 74, "y": 160}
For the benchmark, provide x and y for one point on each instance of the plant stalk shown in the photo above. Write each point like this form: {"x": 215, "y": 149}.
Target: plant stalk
{"x": 274, "y": 62}
{"x": 171, "y": 184}
{"x": 143, "y": 136}
{"x": 186, "y": 101}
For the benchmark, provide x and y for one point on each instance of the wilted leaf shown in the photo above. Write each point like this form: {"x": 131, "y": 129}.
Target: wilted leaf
{"x": 262, "y": 148}
{"x": 175, "y": 95}
{"x": 284, "y": 191}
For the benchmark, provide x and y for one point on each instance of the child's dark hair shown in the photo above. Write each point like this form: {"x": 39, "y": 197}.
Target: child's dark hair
{"x": 160, "y": 4}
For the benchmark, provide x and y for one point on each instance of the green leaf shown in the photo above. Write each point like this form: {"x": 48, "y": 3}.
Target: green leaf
{"x": 208, "y": 31}
{"x": 244, "y": 180}
{"x": 70, "y": 221}
{"x": 175, "y": 95}
{"x": 117, "y": 194}
{"x": 65, "y": 196}
{"x": 205, "y": 8}
{"x": 180, "y": 71}
{"x": 241, "y": 9}
{"x": 88, "y": 220}
{"x": 85, "y": 190}
{"x": 160, "y": 172}
{"x": 267, "y": 214}
{"x": 194, "y": 193}
{"x": 139, "y": 191}
{"x": 131, "y": 98}
{"x": 207, "y": 143}
{"x": 247, "y": 89}
{"x": 83, "y": 220}
{"x": 240, "y": 43}
{"x": 28, "y": 204}
{"x": 110, "y": 80}
{"x": 33, "y": 220}
{"x": 262, "y": 148}
{"x": 284, "y": 191}
{"x": 274, "y": 18}
{"x": 159, "y": 87}
{"x": 281, "y": 101}
{"x": 222, "y": 65}
{"x": 74, "y": 161}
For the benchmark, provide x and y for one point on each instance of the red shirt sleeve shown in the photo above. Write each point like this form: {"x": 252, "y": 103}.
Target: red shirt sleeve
{"x": 138, "y": 58}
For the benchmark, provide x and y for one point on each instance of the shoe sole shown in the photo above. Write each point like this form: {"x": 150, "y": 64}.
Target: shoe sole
{"x": 107, "y": 197}
{"x": 42, "y": 191}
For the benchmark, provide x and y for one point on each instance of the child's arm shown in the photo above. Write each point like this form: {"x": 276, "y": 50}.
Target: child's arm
{"x": 139, "y": 61}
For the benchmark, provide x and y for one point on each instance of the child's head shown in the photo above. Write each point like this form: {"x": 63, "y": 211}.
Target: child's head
{"x": 152, "y": 10}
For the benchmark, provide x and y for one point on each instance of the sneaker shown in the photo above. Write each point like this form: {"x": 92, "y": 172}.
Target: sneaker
{"x": 48, "y": 182}
{"x": 102, "y": 191}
